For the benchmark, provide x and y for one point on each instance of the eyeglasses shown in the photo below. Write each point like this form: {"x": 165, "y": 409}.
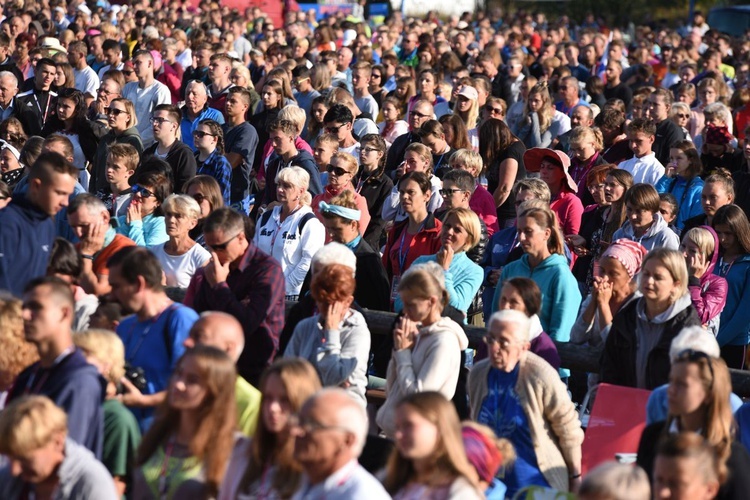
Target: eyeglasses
{"x": 490, "y": 340}
{"x": 142, "y": 191}
{"x": 694, "y": 356}
{"x": 127, "y": 72}
{"x": 376, "y": 75}
{"x": 682, "y": 115}
{"x": 300, "y": 81}
{"x": 368, "y": 150}
{"x": 104, "y": 91}
{"x": 418, "y": 114}
{"x": 492, "y": 110}
{"x": 596, "y": 187}
{"x": 198, "y": 197}
{"x": 334, "y": 130}
{"x": 337, "y": 171}
{"x": 449, "y": 192}
{"x": 223, "y": 246}
{"x": 309, "y": 427}
{"x": 114, "y": 111}
{"x": 201, "y": 134}
{"x": 158, "y": 120}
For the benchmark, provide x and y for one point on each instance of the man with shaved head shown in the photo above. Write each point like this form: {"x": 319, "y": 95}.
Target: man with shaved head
{"x": 330, "y": 435}
{"x": 223, "y": 331}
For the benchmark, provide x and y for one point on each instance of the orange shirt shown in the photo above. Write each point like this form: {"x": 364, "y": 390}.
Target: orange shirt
{"x": 100, "y": 260}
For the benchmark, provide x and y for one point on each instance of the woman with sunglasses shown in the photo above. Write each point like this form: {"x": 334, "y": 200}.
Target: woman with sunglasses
{"x": 70, "y": 121}
{"x": 341, "y": 173}
{"x": 698, "y": 396}
{"x": 209, "y": 143}
{"x": 122, "y": 122}
{"x": 495, "y": 107}
{"x": 206, "y": 192}
{"x": 144, "y": 223}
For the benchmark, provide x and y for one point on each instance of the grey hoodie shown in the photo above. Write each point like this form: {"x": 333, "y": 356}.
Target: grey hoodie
{"x": 81, "y": 475}
{"x": 658, "y": 235}
{"x": 432, "y": 364}
{"x": 340, "y": 356}
{"x": 648, "y": 332}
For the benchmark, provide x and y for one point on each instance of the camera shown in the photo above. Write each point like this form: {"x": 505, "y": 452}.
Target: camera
{"x": 136, "y": 376}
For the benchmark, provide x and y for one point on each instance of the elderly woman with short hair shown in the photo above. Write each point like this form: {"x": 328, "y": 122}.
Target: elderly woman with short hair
{"x": 290, "y": 232}
{"x": 521, "y": 397}
{"x": 180, "y": 256}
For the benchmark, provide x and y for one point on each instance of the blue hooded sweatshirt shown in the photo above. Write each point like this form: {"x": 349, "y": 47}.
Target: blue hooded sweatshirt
{"x": 26, "y": 238}
{"x": 734, "y": 327}
{"x": 561, "y": 297}
{"x": 687, "y": 193}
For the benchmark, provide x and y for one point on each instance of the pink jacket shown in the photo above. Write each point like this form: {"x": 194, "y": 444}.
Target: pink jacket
{"x": 709, "y": 293}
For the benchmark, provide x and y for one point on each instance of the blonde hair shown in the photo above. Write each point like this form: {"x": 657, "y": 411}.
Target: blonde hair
{"x": 16, "y": 353}
{"x": 579, "y": 135}
{"x": 470, "y": 222}
{"x": 471, "y": 159}
{"x": 297, "y": 177}
{"x": 538, "y": 188}
{"x": 241, "y": 68}
{"x": 182, "y": 204}
{"x": 703, "y": 239}
{"x": 546, "y": 219}
{"x": 106, "y": 347}
{"x": 547, "y": 111}
{"x": 615, "y": 481}
{"x": 129, "y": 108}
{"x": 425, "y": 281}
{"x": 675, "y": 264}
{"x": 422, "y": 150}
{"x": 294, "y": 114}
{"x": 348, "y": 159}
{"x": 472, "y": 116}
{"x": 30, "y": 423}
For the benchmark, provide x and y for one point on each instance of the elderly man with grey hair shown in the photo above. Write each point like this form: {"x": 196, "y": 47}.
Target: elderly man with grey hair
{"x": 695, "y": 338}
{"x": 521, "y": 397}
{"x": 223, "y": 331}
{"x": 330, "y": 434}
{"x": 8, "y": 91}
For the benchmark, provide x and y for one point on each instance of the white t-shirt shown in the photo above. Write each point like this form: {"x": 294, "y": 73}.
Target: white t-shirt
{"x": 145, "y": 100}
{"x": 87, "y": 81}
{"x": 179, "y": 269}
{"x": 367, "y": 104}
{"x": 646, "y": 169}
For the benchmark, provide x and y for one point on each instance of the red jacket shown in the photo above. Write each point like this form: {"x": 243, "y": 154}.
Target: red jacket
{"x": 425, "y": 242}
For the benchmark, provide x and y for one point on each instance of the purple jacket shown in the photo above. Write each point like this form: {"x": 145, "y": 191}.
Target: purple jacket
{"x": 542, "y": 344}
{"x": 709, "y": 293}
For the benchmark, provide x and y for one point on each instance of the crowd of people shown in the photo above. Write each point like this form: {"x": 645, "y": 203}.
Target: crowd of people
{"x": 204, "y": 216}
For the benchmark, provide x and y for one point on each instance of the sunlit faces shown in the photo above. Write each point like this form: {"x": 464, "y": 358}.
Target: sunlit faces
{"x": 416, "y": 307}
{"x": 52, "y": 195}
{"x": 411, "y": 196}
{"x": 713, "y": 197}
{"x": 454, "y": 234}
{"x": 38, "y": 465}
{"x": 323, "y": 152}
{"x": 682, "y": 479}
{"x": 640, "y": 143}
{"x": 43, "y": 313}
{"x": 390, "y": 112}
{"x": 66, "y": 108}
{"x": 552, "y": 174}
{"x": 8, "y": 161}
{"x": 276, "y": 408}
{"x": 341, "y": 174}
{"x": 640, "y": 218}
{"x": 269, "y": 97}
{"x": 510, "y": 298}
{"x": 615, "y": 273}
{"x": 187, "y": 387}
{"x": 340, "y": 230}
{"x": 657, "y": 284}
{"x": 503, "y": 346}
{"x": 178, "y": 223}
{"x": 686, "y": 393}
{"x": 228, "y": 247}
{"x": 535, "y": 102}
{"x": 204, "y": 139}
{"x": 613, "y": 190}
{"x": 583, "y": 150}
{"x": 416, "y": 437}
{"x": 532, "y": 238}
{"x": 319, "y": 111}
{"x": 463, "y": 104}
{"x": 282, "y": 142}
{"x": 416, "y": 162}
{"x": 194, "y": 191}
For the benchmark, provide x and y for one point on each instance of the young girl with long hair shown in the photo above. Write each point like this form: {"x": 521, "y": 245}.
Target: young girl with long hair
{"x": 372, "y": 183}
{"x": 209, "y": 142}
{"x": 185, "y": 452}
{"x": 426, "y": 346}
{"x": 429, "y": 460}
{"x": 393, "y": 124}
{"x": 264, "y": 466}
{"x": 534, "y": 126}
{"x": 733, "y": 230}
{"x": 682, "y": 179}
{"x": 318, "y": 111}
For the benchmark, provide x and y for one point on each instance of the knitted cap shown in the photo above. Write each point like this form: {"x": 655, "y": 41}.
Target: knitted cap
{"x": 482, "y": 453}
{"x": 628, "y": 253}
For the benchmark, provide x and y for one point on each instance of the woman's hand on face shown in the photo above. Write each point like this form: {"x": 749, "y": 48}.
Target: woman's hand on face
{"x": 604, "y": 291}
{"x": 335, "y": 314}
{"x": 404, "y": 334}
{"x": 577, "y": 243}
{"x": 444, "y": 256}
{"x": 696, "y": 264}
{"x": 134, "y": 211}
{"x": 401, "y": 170}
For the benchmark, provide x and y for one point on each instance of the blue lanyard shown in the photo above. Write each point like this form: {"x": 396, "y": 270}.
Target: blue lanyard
{"x": 401, "y": 255}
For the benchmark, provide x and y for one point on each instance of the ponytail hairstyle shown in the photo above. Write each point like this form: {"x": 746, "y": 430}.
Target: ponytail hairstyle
{"x": 425, "y": 281}
{"x": 724, "y": 177}
{"x": 695, "y": 167}
{"x": 546, "y": 219}
{"x": 215, "y": 129}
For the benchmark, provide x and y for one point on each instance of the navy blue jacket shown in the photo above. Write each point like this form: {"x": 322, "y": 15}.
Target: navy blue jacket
{"x": 26, "y": 237}
{"x": 76, "y": 387}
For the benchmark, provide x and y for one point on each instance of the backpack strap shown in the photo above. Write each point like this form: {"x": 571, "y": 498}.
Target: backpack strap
{"x": 264, "y": 218}
{"x": 303, "y": 220}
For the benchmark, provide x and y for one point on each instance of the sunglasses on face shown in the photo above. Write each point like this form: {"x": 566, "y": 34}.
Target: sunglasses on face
{"x": 223, "y": 246}
{"x": 114, "y": 111}
{"x": 198, "y": 197}
{"x": 128, "y": 72}
{"x": 450, "y": 192}
{"x": 201, "y": 134}
{"x": 493, "y": 111}
{"x": 337, "y": 171}
{"x": 334, "y": 130}
{"x": 142, "y": 191}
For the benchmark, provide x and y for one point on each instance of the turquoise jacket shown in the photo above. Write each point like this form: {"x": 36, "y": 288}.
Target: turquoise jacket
{"x": 561, "y": 297}
{"x": 687, "y": 193}
{"x": 462, "y": 280}
{"x": 734, "y": 327}
{"x": 146, "y": 233}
